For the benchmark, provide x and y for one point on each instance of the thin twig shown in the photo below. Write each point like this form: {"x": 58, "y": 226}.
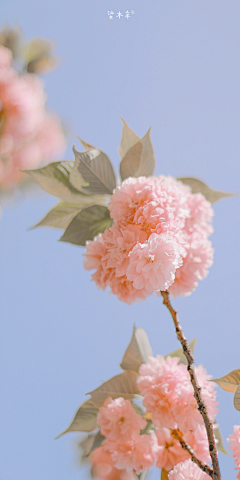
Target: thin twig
{"x": 216, "y": 475}
{"x": 204, "y": 466}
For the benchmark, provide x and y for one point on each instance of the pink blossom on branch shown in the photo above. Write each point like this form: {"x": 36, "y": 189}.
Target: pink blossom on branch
{"x": 234, "y": 440}
{"x": 187, "y": 471}
{"x": 103, "y": 466}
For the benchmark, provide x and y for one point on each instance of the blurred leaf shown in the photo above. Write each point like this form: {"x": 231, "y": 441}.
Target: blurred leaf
{"x": 198, "y": 186}
{"x": 139, "y": 159}
{"x": 87, "y": 224}
{"x": 89, "y": 443}
{"x": 12, "y": 38}
{"x": 40, "y": 57}
{"x": 179, "y": 352}
{"x": 93, "y": 172}
{"x": 138, "y": 409}
{"x": 60, "y": 216}
{"x": 85, "y": 419}
{"x": 230, "y": 381}
{"x": 142, "y": 475}
{"x": 236, "y": 399}
{"x": 138, "y": 350}
{"x": 164, "y": 474}
{"x": 219, "y": 444}
{"x": 123, "y": 385}
{"x": 129, "y": 138}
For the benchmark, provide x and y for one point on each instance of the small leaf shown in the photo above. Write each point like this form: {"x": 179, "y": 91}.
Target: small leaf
{"x": 198, "y": 186}
{"x": 230, "y": 381}
{"x": 60, "y": 216}
{"x": 179, "y": 352}
{"x": 164, "y": 474}
{"x": 236, "y": 399}
{"x": 142, "y": 475}
{"x": 40, "y": 57}
{"x": 219, "y": 444}
{"x": 93, "y": 172}
{"x": 138, "y": 351}
{"x": 123, "y": 385}
{"x": 87, "y": 224}
{"x": 85, "y": 144}
{"x": 85, "y": 419}
{"x": 139, "y": 159}
{"x": 89, "y": 443}
{"x": 129, "y": 138}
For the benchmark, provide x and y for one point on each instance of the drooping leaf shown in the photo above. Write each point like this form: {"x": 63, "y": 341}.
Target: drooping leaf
{"x": 85, "y": 419}
{"x": 230, "y": 381}
{"x": 164, "y": 474}
{"x": 209, "y": 193}
{"x": 93, "y": 172}
{"x": 219, "y": 444}
{"x": 179, "y": 352}
{"x": 60, "y": 216}
{"x": 138, "y": 351}
{"x": 129, "y": 138}
{"x": 139, "y": 159}
{"x": 40, "y": 57}
{"x": 123, "y": 385}
{"x": 89, "y": 443}
{"x": 54, "y": 179}
{"x": 87, "y": 224}
{"x": 236, "y": 399}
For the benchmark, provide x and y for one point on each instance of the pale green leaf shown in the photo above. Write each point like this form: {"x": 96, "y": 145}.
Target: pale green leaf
{"x": 60, "y": 216}
{"x": 139, "y": 159}
{"x": 179, "y": 352}
{"x": 143, "y": 475}
{"x": 85, "y": 419}
{"x": 93, "y": 172}
{"x": 89, "y": 443}
{"x": 236, "y": 399}
{"x": 138, "y": 350}
{"x": 123, "y": 385}
{"x": 219, "y": 444}
{"x": 230, "y": 381}
{"x": 87, "y": 224}
{"x": 129, "y": 138}
{"x": 209, "y": 193}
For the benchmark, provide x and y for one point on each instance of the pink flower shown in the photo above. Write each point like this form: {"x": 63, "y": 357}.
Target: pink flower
{"x": 234, "y": 440}
{"x": 170, "y": 452}
{"x": 29, "y": 135}
{"x": 137, "y": 455}
{"x": 118, "y": 420}
{"x": 153, "y": 264}
{"x": 198, "y": 441}
{"x": 103, "y": 466}
{"x": 187, "y": 471}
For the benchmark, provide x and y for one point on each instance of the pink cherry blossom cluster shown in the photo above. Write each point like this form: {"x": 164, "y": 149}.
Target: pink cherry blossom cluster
{"x": 158, "y": 241}
{"x": 234, "y": 440}
{"x": 29, "y": 135}
{"x": 130, "y": 448}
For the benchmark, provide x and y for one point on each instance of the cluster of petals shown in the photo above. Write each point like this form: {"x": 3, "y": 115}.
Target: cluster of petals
{"x": 103, "y": 466}
{"x": 187, "y": 471}
{"x": 158, "y": 241}
{"x": 234, "y": 440}
{"x": 118, "y": 420}
{"x": 29, "y": 134}
{"x": 171, "y": 452}
{"x": 168, "y": 393}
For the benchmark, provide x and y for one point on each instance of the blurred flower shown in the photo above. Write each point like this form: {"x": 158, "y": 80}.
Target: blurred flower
{"x": 234, "y": 440}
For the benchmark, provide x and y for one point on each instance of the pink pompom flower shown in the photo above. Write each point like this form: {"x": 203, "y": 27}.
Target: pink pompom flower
{"x": 187, "y": 471}
{"x": 234, "y": 440}
{"x": 103, "y": 466}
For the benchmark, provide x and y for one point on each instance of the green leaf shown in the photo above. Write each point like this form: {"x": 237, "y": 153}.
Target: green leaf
{"x": 219, "y": 444}
{"x": 137, "y": 352}
{"x": 54, "y": 179}
{"x": 87, "y": 224}
{"x": 139, "y": 159}
{"x": 230, "y": 381}
{"x": 236, "y": 399}
{"x": 89, "y": 443}
{"x": 179, "y": 352}
{"x": 129, "y": 138}
{"x": 123, "y": 385}
{"x": 93, "y": 172}
{"x": 60, "y": 216}
{"x": 209, "y": 193}
{"x": 85, "y": 419}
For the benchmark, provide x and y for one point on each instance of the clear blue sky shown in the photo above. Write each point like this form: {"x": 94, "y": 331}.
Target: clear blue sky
{"x": 174, "y": 65}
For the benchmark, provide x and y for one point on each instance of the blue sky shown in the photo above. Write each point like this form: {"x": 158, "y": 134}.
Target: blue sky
{"x": 174, "y": 66}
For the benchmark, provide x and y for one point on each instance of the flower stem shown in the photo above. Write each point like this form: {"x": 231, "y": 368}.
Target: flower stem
{"x": 216, "y": 475}
{"x": 185, "y": 446}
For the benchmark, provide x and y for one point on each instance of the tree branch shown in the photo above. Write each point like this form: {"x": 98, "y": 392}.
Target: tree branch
{"x": 216, "y": 475}
{"x": 192, "y": 454}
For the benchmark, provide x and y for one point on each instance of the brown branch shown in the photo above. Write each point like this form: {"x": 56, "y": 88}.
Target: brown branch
{"x": 216, "y": 475}
{"x": 204, "y": 466}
